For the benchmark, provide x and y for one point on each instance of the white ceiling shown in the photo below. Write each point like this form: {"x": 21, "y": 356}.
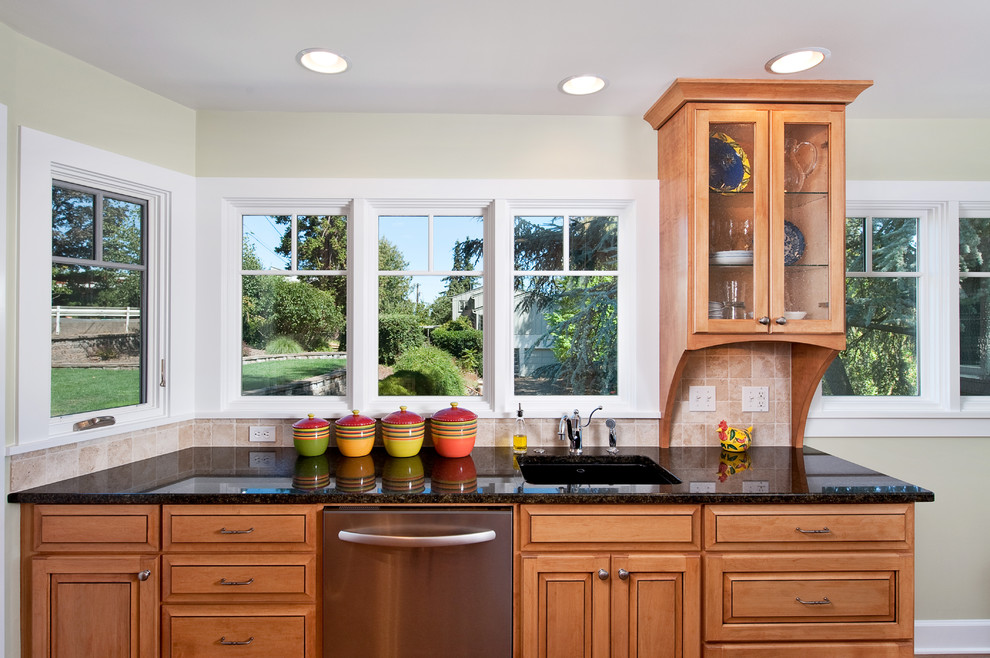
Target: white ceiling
{"x": 927, "y": 57}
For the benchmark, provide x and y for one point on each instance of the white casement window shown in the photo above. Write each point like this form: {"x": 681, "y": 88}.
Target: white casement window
{"x": 93, "y": 330}
{"x": 438, "y": 297}
{"x": 917, "y": 315}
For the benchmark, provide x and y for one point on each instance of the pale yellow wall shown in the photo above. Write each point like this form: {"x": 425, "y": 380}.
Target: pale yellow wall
{"x": 49, "y": 91}
{"x": 283, "y": 145}
{"x": 952, "y": 534}
{"x": 918, "y": 149}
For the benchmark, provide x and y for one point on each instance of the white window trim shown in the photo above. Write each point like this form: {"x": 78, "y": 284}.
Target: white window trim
{"x": 638, "y": 346}
{"x": 44, "y": 158}
{"x": 938, "y": 410}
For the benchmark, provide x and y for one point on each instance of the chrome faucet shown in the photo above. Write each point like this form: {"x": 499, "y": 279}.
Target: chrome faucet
{"x": 572, "y": 425}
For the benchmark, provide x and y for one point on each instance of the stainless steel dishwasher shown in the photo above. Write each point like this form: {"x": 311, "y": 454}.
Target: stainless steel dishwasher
{"x": 417, "y": 582}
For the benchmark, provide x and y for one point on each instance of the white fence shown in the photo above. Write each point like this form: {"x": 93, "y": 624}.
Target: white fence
{"x": 128, "y": 313}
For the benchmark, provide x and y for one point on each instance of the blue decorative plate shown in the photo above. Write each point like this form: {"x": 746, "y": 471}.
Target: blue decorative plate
{"x": 793, "y": 244}
{"x": 728, "y": 166}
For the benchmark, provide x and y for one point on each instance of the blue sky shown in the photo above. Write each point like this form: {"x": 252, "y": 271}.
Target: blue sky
{"x": 410, "y": 233}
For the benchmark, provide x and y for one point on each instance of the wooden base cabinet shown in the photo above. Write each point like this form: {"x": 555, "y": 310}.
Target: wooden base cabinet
{"x": 609, "y": 580}
{"x": 90, "y": 581}
{"x": 610, "y": 605}
{"x": 809, "y": 580}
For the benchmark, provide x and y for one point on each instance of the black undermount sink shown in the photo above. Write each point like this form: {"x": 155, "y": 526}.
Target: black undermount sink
{"x": 593, "y": 469}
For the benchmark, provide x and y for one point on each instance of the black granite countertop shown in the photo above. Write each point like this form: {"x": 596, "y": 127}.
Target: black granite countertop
{"x": 487, "y": 476}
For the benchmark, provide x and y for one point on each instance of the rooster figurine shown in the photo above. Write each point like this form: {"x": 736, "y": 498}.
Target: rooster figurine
{"x": 734, "y": 439}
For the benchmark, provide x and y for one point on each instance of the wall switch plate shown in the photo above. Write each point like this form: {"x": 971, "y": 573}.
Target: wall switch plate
{"x": 702, "y": 487}
{"x": 264, "y": 433}
{"x": 701, "y": 398}
{"x": 756, "y": 486}
{"x": 756, "y": 398}
{"x": 261, "y": 459}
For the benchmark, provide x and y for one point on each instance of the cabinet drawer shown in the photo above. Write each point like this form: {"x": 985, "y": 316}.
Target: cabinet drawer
{"x": 639, "y": 526}
{"x": 289, "y": 577}
{"x": 95, "y": 528}
{"x": 812, "y": 528}
{"x": 808, "y": 596}
{"x": 812, "y": 650}
{"x": 239, "y": 528}
{"x": 811, "y": 597}
{"x": 193, "y": 631}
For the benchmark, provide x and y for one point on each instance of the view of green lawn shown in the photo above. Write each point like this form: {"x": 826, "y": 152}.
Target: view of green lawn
{"x": 263, "y": 374}
{"x": 75, "y": 390}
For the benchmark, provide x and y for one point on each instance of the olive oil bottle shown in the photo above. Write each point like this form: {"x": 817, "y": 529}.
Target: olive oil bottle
{"x": 519, "y": 433}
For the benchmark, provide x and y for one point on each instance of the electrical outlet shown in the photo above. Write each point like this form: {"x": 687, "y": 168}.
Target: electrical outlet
{"x": 702, "y": 487}
{"x": 756, "y": 486}
{"x": 265, "y": 433}
{"x": 755, "y": 398}
{"x": 261, "y": 459}
{"x": 701, "y": 398}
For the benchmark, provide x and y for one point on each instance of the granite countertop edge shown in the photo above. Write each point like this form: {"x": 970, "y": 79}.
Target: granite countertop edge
{"x": 337, "y": 498}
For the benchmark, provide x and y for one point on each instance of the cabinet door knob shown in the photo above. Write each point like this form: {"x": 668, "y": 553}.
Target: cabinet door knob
{"x": 623, "y": 574}
{"x": 764, "y": 320}
{"x": 144, "y": 575}
{"x": 602, "y": 574}
{"x": 781, "y": 320}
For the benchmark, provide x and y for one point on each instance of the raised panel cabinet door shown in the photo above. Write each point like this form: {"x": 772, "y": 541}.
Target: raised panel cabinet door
{"x": 94, "y": 606}
{"x": 656, "y": 606}
{"x": 565, "y": 606}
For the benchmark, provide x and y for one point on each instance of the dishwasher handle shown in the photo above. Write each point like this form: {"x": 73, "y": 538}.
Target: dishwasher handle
{"x": 404, "y": 541}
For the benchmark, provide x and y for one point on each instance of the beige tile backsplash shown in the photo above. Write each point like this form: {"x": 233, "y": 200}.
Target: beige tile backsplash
{"x": 728, "y": 369}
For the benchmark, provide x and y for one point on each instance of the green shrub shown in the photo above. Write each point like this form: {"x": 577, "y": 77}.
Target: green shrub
{"x": 439, "y": 368}
{"x": 406, "y": 382}
{"x": 397, "y": 333}
{"x": 460, "y": 341}
{"x": 306, "y": 314}
{"x": 283, "y": 345}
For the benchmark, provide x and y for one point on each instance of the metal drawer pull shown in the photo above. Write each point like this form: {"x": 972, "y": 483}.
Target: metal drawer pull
{"x": 224, "y": 640}
{"x": 224, "y": 531}
{"x": 602, "y": 574}
{"x": 823, "y": 531}
{"x": 416, "y": 542}
{"x": 224, "y": 581}
{"x": 824, "y": 601}
{"x": 144, "y": 575}
{"x": 623, "y": 574}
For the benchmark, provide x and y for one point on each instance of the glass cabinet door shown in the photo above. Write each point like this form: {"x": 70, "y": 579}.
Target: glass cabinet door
{"x": 806, "y": 227}
{"x": 733, "y": 242}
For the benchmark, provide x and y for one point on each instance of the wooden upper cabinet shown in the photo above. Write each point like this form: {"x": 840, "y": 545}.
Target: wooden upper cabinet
{"x": 752, "y": 221}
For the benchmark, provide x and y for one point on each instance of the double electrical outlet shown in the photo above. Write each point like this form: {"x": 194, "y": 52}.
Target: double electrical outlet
{"x": 754, "y": 398}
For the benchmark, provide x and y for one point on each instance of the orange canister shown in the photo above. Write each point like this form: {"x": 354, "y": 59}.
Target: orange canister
{"x": 355, "y": 434}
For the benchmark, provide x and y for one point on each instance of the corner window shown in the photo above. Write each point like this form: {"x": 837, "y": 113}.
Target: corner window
{"x": 293, "y": 304}
{"x": 565, "y": 290}
{"x": 99, "y": 308}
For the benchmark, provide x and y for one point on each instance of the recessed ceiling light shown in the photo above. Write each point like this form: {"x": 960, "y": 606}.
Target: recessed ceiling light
{"x": 322, "y": 60}
{"x": 795, "y": 61}
{"x": 581, "y": 85}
